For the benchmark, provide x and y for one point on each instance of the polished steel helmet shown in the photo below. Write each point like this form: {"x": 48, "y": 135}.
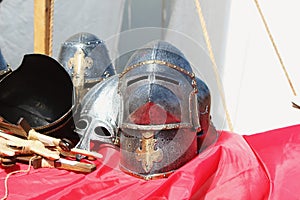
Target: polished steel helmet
{"x": 158, "y": 118}
{"x": 98, "y": 114}
{"x": 86, "y": 59}
{"x": 4, "y": 68}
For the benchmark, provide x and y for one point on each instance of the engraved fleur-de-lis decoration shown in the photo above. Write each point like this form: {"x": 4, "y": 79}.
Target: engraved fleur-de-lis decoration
{"x": 79, "y": 63}
{"x": 147, "y": 153}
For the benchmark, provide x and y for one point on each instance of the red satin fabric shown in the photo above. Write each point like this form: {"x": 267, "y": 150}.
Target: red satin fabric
{"x": 260, "y": 166}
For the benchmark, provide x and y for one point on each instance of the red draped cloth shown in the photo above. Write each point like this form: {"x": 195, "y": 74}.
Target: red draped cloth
{"x": 259, "y": 166}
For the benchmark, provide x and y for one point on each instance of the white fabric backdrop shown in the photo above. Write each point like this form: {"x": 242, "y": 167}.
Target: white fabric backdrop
{"x": 257, "y": 92}
{"x": 102, "y": 18}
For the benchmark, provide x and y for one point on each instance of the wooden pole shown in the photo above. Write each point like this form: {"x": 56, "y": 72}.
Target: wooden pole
{"x": 43, "y": 26}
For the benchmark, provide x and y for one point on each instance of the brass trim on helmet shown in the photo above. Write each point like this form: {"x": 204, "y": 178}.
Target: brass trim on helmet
{"x": 156, "y": 127}
{"x": 146, "y": 177}
{"x": 165, "y": 63}
{"x": 148, "y": 153}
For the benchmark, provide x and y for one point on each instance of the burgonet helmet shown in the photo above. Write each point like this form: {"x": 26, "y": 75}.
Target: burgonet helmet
{"x": 85, "y": 57}
{"x": 159, "y": 117}
{"x": 98, "y": 114}
{"x": 41, "y": 92}
{"x": 4, "y": 67}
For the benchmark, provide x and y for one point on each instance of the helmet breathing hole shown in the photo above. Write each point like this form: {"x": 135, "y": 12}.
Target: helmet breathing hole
{"x": 99, "y": 130}
{"x": 82, "y": 124}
